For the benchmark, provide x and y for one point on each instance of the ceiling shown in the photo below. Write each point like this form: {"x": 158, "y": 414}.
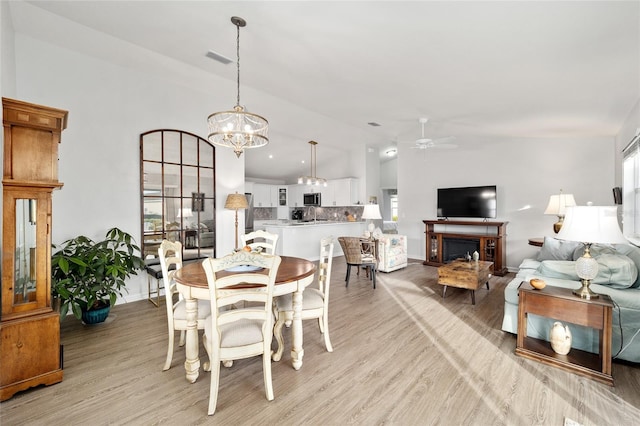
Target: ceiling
{"x": 475, "y": 69}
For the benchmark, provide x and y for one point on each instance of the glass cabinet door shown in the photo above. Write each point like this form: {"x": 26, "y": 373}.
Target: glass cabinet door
{"x": 25, "y": 266}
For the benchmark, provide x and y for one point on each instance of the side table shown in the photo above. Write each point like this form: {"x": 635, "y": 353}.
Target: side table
{"x": 536, "y": 242}
{"x": 561, "y": 304}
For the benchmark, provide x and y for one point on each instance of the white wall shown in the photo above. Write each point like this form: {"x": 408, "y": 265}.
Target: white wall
{"x": 111, "y": 103}
{"x": 389, "y": 174}
{"x": 526, "y": 172}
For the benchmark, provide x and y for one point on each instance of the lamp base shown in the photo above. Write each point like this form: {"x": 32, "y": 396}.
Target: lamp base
{"x": 585, "y": 292}
{"x": 558, "y": 225}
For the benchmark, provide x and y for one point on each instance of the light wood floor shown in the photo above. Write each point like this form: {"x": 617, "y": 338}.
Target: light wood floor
{"x": 401, "y": 356}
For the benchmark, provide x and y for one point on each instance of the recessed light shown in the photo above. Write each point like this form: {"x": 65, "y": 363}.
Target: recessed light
{"x": 391, "y": 152}
{"x": 373, "y": 124}
{"x": 270, "y": 155}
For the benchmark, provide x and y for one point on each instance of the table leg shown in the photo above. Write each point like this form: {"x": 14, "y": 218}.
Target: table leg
{"x": 192, "y": 362}
{"x": 297, "y": 352}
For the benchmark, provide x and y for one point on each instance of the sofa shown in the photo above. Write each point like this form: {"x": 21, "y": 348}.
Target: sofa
{"x": 207, "y": 233}
{"x": 618, "y": 278}
{"x": 392, "y": 252}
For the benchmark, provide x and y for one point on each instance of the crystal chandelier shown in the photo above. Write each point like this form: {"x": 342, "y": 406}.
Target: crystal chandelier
{"x": 312, "y": 179}
{"x": 238, "y": 129}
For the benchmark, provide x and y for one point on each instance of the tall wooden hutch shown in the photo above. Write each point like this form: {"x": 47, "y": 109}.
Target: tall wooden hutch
{"x": 29, "y": 328}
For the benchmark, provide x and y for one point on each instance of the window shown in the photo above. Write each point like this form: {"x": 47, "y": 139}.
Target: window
{"x": 394, "y": 207}
{"x": 631, "y": 189}
{"x": 177, "y": 181}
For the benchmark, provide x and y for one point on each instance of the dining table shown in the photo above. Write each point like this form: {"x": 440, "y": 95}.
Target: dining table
{"x": 293, "y": 276}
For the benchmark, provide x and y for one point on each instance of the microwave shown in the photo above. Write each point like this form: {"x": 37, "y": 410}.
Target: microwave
{"x": 311, "y": 199}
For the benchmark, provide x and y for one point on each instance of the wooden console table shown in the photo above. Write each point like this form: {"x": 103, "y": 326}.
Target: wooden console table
{"x": 560, "y": 304}
{"x": 493, "y": 246}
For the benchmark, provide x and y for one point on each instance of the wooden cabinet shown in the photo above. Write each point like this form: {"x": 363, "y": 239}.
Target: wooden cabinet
{"x": 29, "y": 328}
{"x": 488, "y": 238}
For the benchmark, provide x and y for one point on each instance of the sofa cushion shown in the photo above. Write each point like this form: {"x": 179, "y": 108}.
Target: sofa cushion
{"x": 554, "y": 249}
{"x": 614, "y": 270}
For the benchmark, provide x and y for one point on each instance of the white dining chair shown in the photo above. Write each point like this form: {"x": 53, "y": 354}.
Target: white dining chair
{"x": 315, "y": 301}
{"x": 170, "y": 254}
{"x": 244, "y": 332}
{"x": 266, "y": 240}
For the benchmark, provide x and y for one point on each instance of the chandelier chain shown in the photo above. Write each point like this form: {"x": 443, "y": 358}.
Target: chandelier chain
{"x": 238, "y": 63}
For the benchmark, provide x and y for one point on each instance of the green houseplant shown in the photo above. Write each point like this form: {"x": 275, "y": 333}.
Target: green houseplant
{"x": 89, "y": 275}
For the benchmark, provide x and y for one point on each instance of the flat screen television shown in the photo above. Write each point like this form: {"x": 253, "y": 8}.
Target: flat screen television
{"x": 470, "y": 202}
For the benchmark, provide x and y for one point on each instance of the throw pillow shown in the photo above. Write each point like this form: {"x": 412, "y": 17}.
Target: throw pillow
{"x": 595, "y": 250}
{"x": 633, "y": 253}
{"x": 554, "y": 249}
{"x": 616, "y": 271}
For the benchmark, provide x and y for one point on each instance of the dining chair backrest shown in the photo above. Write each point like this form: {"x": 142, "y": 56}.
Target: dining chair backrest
{"x": 266, "y": 240}
{"x": 242, "y": 332}
{"x": 352, "y": 249}
{"x": 170, "y": 255}
{"x": 324, "y": 267}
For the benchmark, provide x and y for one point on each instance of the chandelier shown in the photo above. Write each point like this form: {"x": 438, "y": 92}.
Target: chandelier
{"x": 312, "y": 179}
{"x": 238, "y": 129}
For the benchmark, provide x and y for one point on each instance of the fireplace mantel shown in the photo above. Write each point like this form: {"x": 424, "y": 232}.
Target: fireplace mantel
{"x": 491, "y": 240}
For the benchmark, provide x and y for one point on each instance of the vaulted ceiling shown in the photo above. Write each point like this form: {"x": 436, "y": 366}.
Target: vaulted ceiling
{"x": 476, "y": 69}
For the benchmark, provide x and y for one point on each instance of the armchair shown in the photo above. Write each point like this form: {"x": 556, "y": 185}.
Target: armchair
{"x": 392, "y": 252}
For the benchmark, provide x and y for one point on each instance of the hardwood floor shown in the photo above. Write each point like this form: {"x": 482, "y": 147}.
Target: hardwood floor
{"x": 402, "y": 356}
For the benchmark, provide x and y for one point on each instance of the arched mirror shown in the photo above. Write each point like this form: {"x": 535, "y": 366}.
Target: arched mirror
{"x": 177, "y": 192}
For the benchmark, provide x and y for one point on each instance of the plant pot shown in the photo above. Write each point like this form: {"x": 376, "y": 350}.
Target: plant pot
{"x": 95, "y": 316}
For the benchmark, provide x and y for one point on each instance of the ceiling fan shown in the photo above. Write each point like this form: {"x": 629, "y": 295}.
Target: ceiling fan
{"x": 428, "y": 143}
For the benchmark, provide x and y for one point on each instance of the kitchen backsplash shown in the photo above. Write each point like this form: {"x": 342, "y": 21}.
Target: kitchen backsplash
{"x": 338, "y": 214}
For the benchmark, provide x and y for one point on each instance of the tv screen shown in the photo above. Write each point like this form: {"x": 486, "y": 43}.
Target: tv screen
{"x": 471, "y": 202}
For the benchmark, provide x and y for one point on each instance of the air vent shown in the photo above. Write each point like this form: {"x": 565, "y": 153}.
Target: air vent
{"x": 218, "y": 57}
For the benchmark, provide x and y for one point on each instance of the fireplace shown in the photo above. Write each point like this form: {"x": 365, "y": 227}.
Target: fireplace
{"x": 457, "y": 248}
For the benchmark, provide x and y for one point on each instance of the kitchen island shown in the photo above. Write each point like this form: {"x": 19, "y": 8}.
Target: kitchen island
{"x": 302, "y": 239}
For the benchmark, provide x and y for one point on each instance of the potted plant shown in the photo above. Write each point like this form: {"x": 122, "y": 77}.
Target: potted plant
{"x": 88, "y": 276}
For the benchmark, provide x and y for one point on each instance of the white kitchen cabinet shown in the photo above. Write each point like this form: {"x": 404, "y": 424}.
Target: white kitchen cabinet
{"x": 265, "y": 195}
{"x": 340, "y": 192}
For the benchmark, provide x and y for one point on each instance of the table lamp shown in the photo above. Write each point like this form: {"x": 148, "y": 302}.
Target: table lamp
{"x": 235, "y": 202}
{"x": 185, "y": 214}
{"x": 558, "y": 204}
{"x": 371, "y": 211}
{"x": 589, "y": 225}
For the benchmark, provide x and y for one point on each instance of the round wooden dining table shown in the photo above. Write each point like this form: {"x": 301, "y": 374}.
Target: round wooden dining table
{"x": 294, "y": 275}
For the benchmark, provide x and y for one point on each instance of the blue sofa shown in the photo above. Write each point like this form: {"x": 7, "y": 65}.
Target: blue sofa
{"x": 618, "y": 277}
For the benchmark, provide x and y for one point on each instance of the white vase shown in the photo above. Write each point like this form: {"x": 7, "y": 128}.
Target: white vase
{"x": 560, "y": 338}
{"x": 476, "y": 256}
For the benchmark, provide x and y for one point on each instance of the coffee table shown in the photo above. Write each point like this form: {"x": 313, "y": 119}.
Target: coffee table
{"x": 461, "y": 273}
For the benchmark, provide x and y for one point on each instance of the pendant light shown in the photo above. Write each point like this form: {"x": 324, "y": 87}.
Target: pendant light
{"x": 312, "y": 179}
{"x": 238, "y": 129}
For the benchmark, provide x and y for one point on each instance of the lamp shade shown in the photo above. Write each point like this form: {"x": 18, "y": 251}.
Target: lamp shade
{"x": 558, "y": 204}
{"x": 592, "y": 224}
{"x": 236, "y": 201}
{"x": 185, "y": 212}
{"x": 371, "y": 211}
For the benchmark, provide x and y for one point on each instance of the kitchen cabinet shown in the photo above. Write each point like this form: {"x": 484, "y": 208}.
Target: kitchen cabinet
{"x": 340, "y": 192}
{"x": 265, "y": 195}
